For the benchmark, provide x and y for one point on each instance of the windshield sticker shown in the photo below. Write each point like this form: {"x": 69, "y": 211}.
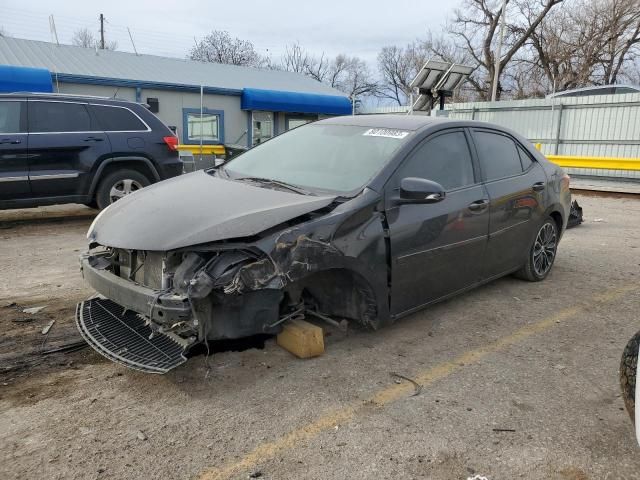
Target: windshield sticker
{"x": 386, "y": 132}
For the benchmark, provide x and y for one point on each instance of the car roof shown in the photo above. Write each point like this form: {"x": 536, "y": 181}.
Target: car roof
{"x": 398, "y": 121}
{"x": 62, "y": 96}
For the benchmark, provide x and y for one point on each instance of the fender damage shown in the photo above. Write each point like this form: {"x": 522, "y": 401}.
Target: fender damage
{"x": 326, "y": 259}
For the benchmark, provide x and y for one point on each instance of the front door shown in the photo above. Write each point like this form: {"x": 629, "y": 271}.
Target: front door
{"x": 437, "y": 249}
{"x": 516, "y": 184}
{"x": 64, "y": 145}
{"x": 14, "y": 170}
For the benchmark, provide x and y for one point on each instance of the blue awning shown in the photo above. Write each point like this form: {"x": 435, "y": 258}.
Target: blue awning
{"x": 24, "y": 79}
{"x": 277, "y": 101}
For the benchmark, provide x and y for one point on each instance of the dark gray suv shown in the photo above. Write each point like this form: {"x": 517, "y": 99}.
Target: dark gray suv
{"x": 72, "y": 149}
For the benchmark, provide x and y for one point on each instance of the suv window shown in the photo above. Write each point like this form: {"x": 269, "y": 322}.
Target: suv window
{"x": 444, "y": 159}
{"x": 498, "y": 155}
{"x": 117, "y": 119}
{"x": 11, "y": 114}
{"x": 58, "y": 117}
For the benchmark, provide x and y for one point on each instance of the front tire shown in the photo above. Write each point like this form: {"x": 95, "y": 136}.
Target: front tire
{"x": 542, "y": 254}
{"x": 118, "y": 184}
{"x": 628, "y": 368}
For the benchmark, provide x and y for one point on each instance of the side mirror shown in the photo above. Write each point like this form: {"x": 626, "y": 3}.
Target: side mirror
{"x": 218, "y": 161}
{"x": 420, "y": 190}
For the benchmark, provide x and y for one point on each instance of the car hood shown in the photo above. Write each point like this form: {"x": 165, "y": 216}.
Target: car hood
{"x": 196, "y": 208}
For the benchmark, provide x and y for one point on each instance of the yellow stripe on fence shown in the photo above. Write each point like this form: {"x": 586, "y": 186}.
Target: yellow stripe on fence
{"x": 605, "y": 163}
{"x": 206, "y": 149}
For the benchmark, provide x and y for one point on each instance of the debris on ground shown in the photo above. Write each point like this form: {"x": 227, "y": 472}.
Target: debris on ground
{"x": 23, "y": 320}
{"x": 141, "y": 435}
{"x": 257, "y": 474}
{"x": 67, "y": 348}
{"x": 504, "y": 429}
{"x": 575, "y": 215}
{"x": 416, "y": 385}
{"x": 48, "y": 326}
{"x": 34, "y": 310}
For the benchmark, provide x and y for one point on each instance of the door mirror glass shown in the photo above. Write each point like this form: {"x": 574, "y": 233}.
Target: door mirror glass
{"x": 420, "y": 190}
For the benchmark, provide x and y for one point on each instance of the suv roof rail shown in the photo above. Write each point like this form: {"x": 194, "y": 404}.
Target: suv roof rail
{"x": 50, "y": 94}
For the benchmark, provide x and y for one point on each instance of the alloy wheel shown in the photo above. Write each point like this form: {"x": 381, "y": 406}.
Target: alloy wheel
{"x": 544, "y": 249}
{"x": 122, "y": 188}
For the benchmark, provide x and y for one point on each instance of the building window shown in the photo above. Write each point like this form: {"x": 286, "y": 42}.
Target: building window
{"x": 293, "y": 121}
{"x": 262, "y": 127}
{"x": 207, "y": 126}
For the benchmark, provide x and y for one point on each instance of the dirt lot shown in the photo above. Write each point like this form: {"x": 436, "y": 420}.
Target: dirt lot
{"x": 518, "y": 380}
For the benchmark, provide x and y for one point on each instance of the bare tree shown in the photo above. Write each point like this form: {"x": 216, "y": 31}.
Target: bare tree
{"x": 220, "y": 47}
{"x": 475, "y": 27}
{"x": 85, "y": 38}
{"x": 397, "y": 67}
{"x": 296, "y": 59}
{"x": 350, "y": 75}
{"x": 592, "y": 42}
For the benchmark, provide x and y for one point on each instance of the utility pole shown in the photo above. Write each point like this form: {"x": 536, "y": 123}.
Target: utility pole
{"x": 101, "y": 32}
{"x": 496, "y": 73}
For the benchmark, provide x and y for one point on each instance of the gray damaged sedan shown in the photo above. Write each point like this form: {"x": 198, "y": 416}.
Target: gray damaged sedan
{"x": 364, "y": 219}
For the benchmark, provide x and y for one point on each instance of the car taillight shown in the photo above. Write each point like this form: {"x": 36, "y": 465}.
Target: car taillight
{"x": 566, "y": 179}
{"x": 172, "y": 142}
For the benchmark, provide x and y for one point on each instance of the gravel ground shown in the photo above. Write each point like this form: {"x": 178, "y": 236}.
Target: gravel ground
{"x": 518, "y": 380}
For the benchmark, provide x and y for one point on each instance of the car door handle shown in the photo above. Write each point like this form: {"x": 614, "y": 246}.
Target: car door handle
{"x": 93, "y": 139}
{"x": 9, "y": 141}
{"x": 479, "y": 205}
{"x": 538, "y": 187}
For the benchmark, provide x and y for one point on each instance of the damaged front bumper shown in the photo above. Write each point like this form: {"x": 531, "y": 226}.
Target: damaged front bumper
{"x": 152, "y": 328}
{"x": 158, "y": 306}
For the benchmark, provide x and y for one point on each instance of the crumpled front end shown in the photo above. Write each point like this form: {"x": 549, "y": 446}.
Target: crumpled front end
{"x": 185, "y": 296}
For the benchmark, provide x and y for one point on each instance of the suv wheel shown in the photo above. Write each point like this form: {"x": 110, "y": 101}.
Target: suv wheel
{"x": 119, "y": 184}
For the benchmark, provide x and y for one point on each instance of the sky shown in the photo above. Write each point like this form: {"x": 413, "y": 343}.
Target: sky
{"x": 354, "y": 27}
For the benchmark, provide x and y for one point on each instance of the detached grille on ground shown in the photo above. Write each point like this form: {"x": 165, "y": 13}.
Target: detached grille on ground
{"x": 123, "y": 337}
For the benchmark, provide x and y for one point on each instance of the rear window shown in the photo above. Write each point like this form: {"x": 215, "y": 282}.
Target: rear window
{"x": 58, "y": 117}
{"x": 498, "y": 155}
{"x": 10, "y": 117}
{"x": 117, "y": 119}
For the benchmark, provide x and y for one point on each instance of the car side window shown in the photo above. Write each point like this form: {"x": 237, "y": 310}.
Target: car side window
{"x": 525, "y": 158}
{"x": 498, "y": 155}
{"x": 11, "y": 116}
{"x": 117, "y": 119}
{"x": 58, "y": 117}
{"x": 445, "y": 159}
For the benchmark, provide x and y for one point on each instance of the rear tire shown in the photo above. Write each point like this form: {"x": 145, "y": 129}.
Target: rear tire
{"x": 628, "y": 368}
{"x": 118, "y": 184}
{"x": 542, "y": 253}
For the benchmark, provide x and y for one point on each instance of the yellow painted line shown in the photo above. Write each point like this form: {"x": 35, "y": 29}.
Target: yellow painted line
{"x": 394, "y": 392}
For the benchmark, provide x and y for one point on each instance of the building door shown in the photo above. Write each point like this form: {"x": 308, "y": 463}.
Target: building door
{"x": 262, "y": 127}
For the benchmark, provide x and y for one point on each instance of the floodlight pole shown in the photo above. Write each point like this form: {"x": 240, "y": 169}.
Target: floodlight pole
{"x": 496, "y": 73}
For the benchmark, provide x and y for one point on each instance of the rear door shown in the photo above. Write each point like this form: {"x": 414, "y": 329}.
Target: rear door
{"x": 437, "y": 249}
{"x": 14, "y": 170}
{"x": 64, "y": 145}
{"x": 515, "y": 183}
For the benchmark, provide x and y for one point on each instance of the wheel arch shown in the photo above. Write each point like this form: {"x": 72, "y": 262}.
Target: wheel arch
{"x": 343, "y": 292}
{"x": 140, "y": 164}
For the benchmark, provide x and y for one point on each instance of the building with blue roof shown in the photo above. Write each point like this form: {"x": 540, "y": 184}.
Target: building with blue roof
{"x": 240, "y": 105}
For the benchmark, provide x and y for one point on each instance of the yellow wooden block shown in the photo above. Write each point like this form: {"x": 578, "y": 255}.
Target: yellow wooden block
{"x": 301, "y": 338}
